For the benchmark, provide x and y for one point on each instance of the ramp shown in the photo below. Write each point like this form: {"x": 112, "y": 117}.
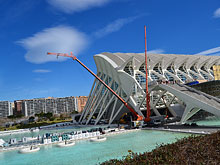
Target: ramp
{"x": 194, "y": 100}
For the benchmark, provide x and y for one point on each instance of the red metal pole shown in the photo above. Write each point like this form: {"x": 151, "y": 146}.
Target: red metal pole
{"x": 147, "y": 94}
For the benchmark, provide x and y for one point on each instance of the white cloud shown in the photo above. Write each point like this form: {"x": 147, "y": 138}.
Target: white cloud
{"x": 213, "y": 51}
{"x": 71, "y": 6}
{"x": 61, "y": 39}
{"x": 41, "y": 71}
{"x": 156, "y": 51}
{"x": 114, "y": 26}
{"x": 217, "y": 13}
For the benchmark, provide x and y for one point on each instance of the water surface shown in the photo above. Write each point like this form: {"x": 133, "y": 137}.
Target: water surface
{"x": 86, "y": 152}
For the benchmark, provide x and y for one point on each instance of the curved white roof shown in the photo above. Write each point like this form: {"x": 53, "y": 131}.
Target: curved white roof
{"x": 121, "y": 58}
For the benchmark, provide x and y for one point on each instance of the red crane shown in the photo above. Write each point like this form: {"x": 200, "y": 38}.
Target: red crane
{"x": 147, "y": 118}
{"x": 138, "y": 117}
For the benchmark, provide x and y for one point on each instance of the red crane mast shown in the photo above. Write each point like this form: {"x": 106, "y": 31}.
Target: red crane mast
{"x": 147, "y": 119}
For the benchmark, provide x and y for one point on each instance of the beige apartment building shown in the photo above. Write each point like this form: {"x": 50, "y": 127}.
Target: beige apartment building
{"x": 80, "y": 103}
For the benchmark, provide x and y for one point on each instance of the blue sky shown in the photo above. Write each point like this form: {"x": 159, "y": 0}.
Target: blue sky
{"x": 29, "y": 29}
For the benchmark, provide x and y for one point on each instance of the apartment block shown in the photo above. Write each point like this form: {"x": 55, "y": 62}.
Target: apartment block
{"x": 81, "y": 103}
{"x": 5, "y": 109}
{"x": 54, "y": 105}
{"x": 18, "y": 107}
{"x": 65, "y": 104}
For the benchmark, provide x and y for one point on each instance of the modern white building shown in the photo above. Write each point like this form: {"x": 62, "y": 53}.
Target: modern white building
{"x": 125, "y": 74}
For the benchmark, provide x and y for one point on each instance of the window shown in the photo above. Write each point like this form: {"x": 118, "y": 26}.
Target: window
{"x": 183, "y": 68}
{"x": 169, "y": 77}
{"x": 157, "y": 68}
{"x": 129, "y": 69}
{"x": 171, "y": 69}
{"x": 140, "y": 79}
{"x": 181, "y": 76}
{"x": 154, "y": 77}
